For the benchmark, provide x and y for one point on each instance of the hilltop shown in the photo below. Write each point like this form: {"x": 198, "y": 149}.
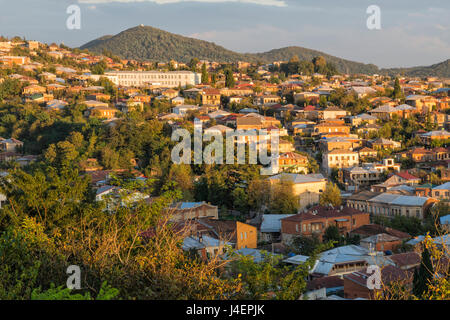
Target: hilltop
{"x": 441, "y": 69}
{"x": 152, "y": 44}
{"x": 148, "y": 43}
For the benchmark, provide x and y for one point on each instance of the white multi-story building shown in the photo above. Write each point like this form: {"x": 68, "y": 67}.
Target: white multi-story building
{"x": 339, "y": 158}
{"x": 170, "y": 79}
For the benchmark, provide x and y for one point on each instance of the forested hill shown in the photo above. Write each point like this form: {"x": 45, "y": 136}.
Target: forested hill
{"x": 148, "y": 43}
{"x": 152, "y": 44}
{"x": 342, "y": 65}
{"x": 441, "y": 69}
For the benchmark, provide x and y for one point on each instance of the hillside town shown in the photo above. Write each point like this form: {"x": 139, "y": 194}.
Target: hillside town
{"x": 363, "y": 175}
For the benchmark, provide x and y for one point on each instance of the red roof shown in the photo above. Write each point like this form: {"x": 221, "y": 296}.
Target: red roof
{"x": 388, "y": 274}
{"x": 325, "y": 282}
{"x": 319, "y": 212}
{"x": 406, "y": 259}
{"x": 406, "y": 175}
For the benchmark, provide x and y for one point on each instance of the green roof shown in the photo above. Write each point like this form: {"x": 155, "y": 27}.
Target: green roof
{"x": 426, "y": 185}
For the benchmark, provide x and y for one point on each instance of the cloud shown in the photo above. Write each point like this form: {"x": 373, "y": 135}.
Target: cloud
{"x": 274, "y": 3}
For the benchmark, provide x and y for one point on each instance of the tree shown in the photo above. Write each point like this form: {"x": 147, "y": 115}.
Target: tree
{"x": 268, "y": 279}
{"x": 294, "y": 59}
{"x": 304, "y": 245}
{"x": 193, "y": 64}
{"x": 99, "y": 68}
{"x": 319, "y": 64}
{"x": 282, "y": 199}
{"x": 424, "y": 275}
{"x": 205, "y": 76}
{"x": 331, "y": 195}
{"x": 397, "y": 93}
{"x": 229, "y": 78}
{"x": 332, "y": 234}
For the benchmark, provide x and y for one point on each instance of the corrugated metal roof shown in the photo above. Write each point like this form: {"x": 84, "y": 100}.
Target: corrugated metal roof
{"x": 445, "y": 219}
{"x": 345, "y": 254}
{"x": 409, "y": 201}
{"x": 445, "y": 186}
{"x": 272, "y": 223}
{"x": 207, "y": 241}
{"x": 298, "y": 178}
{"x": 384, "y": 197}
{"x": 298, "y": 259}
{"x": 190, "y": 205}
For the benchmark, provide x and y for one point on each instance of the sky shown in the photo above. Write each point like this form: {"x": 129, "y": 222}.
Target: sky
{"x": 413, "y": 32}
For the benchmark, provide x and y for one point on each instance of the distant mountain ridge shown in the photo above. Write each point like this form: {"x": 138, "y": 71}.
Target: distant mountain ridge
{"x": 148, "y": 43}
{"x": 441, "y": 69}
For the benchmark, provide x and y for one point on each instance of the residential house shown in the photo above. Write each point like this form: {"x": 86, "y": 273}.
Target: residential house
{"x": 306, "y": 187}
{"x": 270, "y": 228}
{"x": 381, "y": 242}
{"x": 178, "y": 101}
{"x": 285, "y": 146}
{"x": 356, "y": 284}
{"x": 441, "y": 192}
{"x": 422, "y": 104}
{"x": 102, "y": 112}
{"x": 210, "y": 96}
{"x": 407, "y": 261}
{"x": 344, "y": 260}
{"x": 330, "y": 127}
{"x": 427, "y": 138}
{"x": 420, "y": 155}
{"x": 356, "y": 178}
{"x": 331, "y": 143}
{"x": 390, "y": 205}
{"x": 317, "y": 219}
{"x": 293, "y": 162}
{"x": 205, "y": 245}
{"x": 366, "y": 152}
{"x": 32, "y": 89}
{"x": 384, "y": 112}
{"x": 405, "y": 111}
{"x": 332, "y": 112}
{"x": 362, "y": 118}
{"x": 239, "y": 234}
{"x": 266, "y": 99}
{"x": 10, "y": 145}
{"x": 255, "y": 121}
{"x": 184, "y": 211}
{"x": 339, "y": 158}
{"x": 362, "y": 91}
{"x": 184, "y": 109}
{"x": 375, "y": 229}
{"x": 381, "y": 143}
{"x": 424, "y": 190}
